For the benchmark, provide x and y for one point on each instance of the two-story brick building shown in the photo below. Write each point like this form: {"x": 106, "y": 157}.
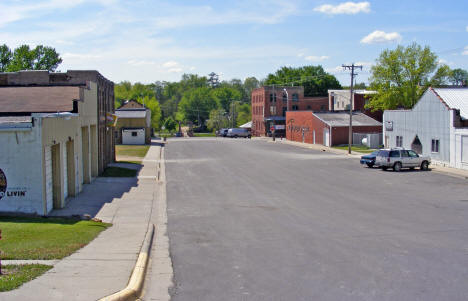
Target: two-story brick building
{"x": 270, "y": 104}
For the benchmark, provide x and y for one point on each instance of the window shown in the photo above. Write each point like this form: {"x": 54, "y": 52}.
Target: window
{"x": 134, "y": 134}
{"x": 273, "y": 110}
{"x": 322, "y": 108}
{"x": 404, "y": 153}
{"x": 295, "y": 107}
{"x": 284, "y": 111}
{"x": 412, "y": 154}
{"x": 309, "y": 107}
{"x": 271, "y": 97}
{"x": 435, "y": 146}
{"x": 394, "y": 154}
{"x": 285, "y": 97}
{"x": 295, "y": 97}
{"x": 399, "y": 141}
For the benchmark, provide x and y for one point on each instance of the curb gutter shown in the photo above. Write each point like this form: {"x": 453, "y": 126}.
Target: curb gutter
{"x": 135, "y": 285}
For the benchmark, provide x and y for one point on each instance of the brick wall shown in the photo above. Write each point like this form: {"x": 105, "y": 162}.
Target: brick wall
{"x": 340, "y": 135}
{"x": 296, "y": 121}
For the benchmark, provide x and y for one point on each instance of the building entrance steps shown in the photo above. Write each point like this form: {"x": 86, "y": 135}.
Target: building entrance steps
{"x": 104, "y": 266}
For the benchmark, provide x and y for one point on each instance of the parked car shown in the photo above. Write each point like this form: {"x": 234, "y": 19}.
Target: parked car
{"x": 398, "y": 158}
{"x": 222, "y": 133}
{"x": 369, "y": 159}
{"x": 238, "y": 132}
{"x": 178, "y": 134}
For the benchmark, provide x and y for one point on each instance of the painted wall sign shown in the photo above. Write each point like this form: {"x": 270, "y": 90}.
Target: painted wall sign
{"x": 12, "y": 191}
{"x": 389, "y": 125}
{"x": 3, "y": 184}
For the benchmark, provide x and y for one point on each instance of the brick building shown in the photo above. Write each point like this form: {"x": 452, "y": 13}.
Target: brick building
{"x": 327, "y": 128}
{"x": 270, "y": 103}
{"x": 105, "y": 100}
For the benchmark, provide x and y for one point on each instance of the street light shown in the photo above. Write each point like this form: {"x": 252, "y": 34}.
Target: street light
{"x": 287, "y": 99}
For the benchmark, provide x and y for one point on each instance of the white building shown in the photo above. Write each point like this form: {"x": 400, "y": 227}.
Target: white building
{"x": 49, "y": 145}
{"x": 437, "y": 126}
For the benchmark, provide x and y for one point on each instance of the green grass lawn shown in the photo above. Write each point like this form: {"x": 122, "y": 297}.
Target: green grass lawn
{"x": 356, "y": 148}
{"x": 204, "y": 135}
{"x": 114, "y": 171}
{"x": 131, "y": 150}
{"x": 13, "y": 276}
{"x": 45, "y": 238}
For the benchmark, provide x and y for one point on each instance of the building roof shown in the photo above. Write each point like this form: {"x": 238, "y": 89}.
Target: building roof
{"x": 127, "y": 113}
{"x": 247, "y": 125}
{"x": 455, "y": 98}
{"x": 359, "y": 91}
{"x": 38, "y": 99}
{"x": 342, "y": 119}
{"x": 131, "y": 104}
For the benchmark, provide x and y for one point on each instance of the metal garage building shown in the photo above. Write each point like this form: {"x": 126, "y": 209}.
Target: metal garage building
{"x": 437, "y": 126}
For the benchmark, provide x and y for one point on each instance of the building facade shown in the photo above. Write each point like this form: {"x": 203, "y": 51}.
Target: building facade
{"x": 49, "y": 139}
{"x": 327, "y": 128}
{"x": 270, "y": 104}
{"x": 437, "y": 126}
{"x": 105, "y": 100}
{"x": 133, "y": 125}
{"x": 338, "y": 101}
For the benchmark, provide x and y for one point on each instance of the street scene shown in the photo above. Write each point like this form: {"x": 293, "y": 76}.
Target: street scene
{"x": 234, "y": 150}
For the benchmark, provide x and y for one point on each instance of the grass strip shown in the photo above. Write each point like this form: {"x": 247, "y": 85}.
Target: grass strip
{"x": 204, "y": 134}
{"x": 114, "y": 171}
{"x": 45, "y": 238}
{"x": 14, "y": 275}
{"x": 131, "y": 150}
{"x": 356, "y": 148}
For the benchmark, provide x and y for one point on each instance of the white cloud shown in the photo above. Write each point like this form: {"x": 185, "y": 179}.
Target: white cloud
{"x": 266, "y": 12}
{"x": 467, "y": 28}
{"x": 465, "y": 52}
{"x": 170, "y": 64}
{"x": 379, "y": 36}
{"x": 315, "y": 58}
{"x": 138, "y": 63}
{"x": 348, "y": 8}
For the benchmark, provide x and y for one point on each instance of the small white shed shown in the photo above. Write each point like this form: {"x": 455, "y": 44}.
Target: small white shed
{"x": 133, "y": 136}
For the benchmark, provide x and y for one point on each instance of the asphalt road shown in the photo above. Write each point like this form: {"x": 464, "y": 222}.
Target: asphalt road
{"x": 254, "y": 220}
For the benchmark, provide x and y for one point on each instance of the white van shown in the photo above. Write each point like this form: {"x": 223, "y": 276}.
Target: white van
{"x": 238, "y": 132}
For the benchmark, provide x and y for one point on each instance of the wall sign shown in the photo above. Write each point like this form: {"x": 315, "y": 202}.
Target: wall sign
{"x": 3, "y": 184}
{"x": 389, "y": 125}
{"x": 9, "y": 192}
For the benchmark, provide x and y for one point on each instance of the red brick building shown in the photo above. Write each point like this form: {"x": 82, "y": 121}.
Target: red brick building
{"x": 338, "y": 100}
{"x": 270, "y": 103}
{"x": 327, "y": 128}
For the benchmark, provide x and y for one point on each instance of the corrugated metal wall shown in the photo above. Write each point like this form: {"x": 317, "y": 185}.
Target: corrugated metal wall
{"x": 429, "y": 119}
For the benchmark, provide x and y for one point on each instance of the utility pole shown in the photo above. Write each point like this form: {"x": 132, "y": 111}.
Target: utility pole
{"x": 350, "y": 136}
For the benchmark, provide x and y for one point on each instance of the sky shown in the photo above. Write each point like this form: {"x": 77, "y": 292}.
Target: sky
{"x": 148, "y": 41}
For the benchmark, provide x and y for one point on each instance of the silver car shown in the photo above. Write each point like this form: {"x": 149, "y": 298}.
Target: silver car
{"x": 401, "y": 158}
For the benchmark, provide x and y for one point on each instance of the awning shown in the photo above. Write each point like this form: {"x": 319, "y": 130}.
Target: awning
{"x": 247, "y": 125}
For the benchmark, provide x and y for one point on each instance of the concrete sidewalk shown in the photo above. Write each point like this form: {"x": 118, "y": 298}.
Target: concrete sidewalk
{"x": 104, "y": 266}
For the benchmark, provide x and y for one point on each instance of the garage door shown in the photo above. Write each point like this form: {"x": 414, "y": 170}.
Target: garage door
{"x": 48, "y": 177}
{"x": 65, "y": 173}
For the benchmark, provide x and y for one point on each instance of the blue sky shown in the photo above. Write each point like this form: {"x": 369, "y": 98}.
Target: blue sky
{"x": 147, "y": 41}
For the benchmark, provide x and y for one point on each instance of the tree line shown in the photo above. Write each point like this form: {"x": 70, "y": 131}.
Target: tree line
{"x": 400, "y": 76}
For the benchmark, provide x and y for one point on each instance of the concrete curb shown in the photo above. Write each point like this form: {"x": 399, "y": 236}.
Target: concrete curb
{"x": 135, "y": 285}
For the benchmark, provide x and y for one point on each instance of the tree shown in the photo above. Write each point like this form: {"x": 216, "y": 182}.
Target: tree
{"x": 170, "y": 124}
{"x": 152, "y": 104}
{"x": 5, "y": 57}
{"x": 458, "y": 77}
{"x": 243, "y": 113}
{"x": 39, "y": 58}
{"x": 315, "y": 80}
{"x": 251, "y": 83}
{"x": 225, "y": 95}
{"x": 196, "y": 105}
{"x": 400, "y": 76}
{"x": 217, "y": 120}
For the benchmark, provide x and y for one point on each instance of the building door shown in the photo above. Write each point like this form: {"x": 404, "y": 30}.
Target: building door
{"x": 85, "y": 154}
{"x": 65, "y": 174}
{"x": 314, "y": 136}
{"x": 326, "y": 137}
{"x": 94, "y": 151}
{"x": 70, "y": 162}
{"x": 416, "y": 145}
{"x": 48, "y": 177}
{"x": 56, "y": 176}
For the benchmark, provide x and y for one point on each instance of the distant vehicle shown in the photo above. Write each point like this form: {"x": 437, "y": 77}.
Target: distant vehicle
{"x": 238, "y": 132}
{"x": 178, "y": 134}
{"x": 369, "y": 159}
{"x": 222, "y": 133}
{"x": 398, "y": 158}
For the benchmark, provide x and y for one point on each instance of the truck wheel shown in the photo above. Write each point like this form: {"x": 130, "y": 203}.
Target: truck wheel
{"x": 370, "y": 165}
{"x": 384, "y": 167}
